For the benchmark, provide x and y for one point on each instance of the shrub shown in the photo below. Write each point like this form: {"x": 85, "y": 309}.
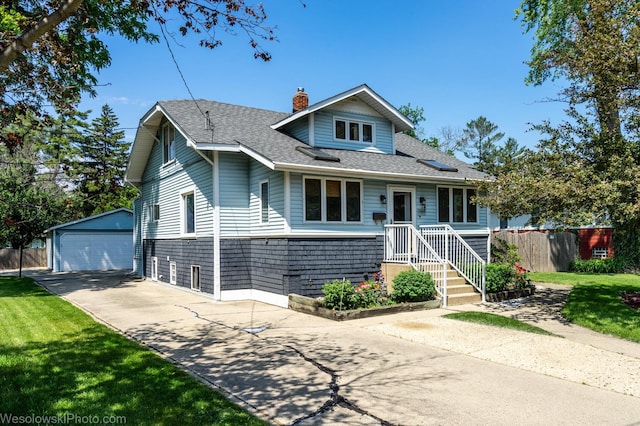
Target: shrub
{"x": 412, "y": 286}
{"x": 499, "y": 276}
{"x": 598, "y": 266}
{"x": 504, "y": 276}
{"x": 339, "y": 294}
{"x": 370, "y": 294}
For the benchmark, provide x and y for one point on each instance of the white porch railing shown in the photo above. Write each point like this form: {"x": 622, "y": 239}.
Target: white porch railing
{"x": 404, "y": 244}
{"x": 434, "y": 249}
{"x": 451, "y": 247}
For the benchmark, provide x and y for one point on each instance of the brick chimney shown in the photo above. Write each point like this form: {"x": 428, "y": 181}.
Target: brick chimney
{"x": 300, "y": 100}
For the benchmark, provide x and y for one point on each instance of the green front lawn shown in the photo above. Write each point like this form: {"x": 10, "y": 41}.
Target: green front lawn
{"x": 57, "y": 361}
{"x": 595, "y": 303}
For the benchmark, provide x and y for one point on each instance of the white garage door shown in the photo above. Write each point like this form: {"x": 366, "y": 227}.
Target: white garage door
{"x": 95, "y": 251}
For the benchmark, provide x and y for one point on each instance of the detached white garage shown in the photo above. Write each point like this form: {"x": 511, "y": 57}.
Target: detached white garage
{"x": 97, "y": 243}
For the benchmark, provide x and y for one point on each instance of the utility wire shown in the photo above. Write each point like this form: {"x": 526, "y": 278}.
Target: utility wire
{"x": 166, "y": 40}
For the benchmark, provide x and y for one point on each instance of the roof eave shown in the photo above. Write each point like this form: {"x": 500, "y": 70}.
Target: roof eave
{"x": 401, "y": 122}
{"x": 369, "y": 174}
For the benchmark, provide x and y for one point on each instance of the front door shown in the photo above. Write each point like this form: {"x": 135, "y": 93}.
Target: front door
{"x": 402, "y": 206}
{"x": 401, "y": 212}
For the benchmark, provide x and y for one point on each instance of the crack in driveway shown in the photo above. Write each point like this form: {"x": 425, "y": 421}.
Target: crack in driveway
{"x": 334, "y": 400}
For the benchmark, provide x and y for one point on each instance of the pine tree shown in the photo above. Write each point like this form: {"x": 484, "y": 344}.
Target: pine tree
{"x": 101, "y": 167}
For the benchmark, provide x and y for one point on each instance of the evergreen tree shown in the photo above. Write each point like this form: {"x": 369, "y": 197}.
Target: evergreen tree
{"x": 101, "y": 166}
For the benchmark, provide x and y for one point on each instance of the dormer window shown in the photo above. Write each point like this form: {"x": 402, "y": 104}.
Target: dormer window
{"x": 353, "y": 131}
{"x": 168, "y": 142}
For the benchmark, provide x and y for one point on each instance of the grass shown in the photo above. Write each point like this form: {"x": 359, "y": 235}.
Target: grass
{"x": 57, "y": 361}
{"x": 496, "y": 321}
{"x": 594, "y": 301}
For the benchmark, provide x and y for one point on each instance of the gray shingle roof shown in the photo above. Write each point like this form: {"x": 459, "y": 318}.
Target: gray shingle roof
{"x": 250, "y": 129}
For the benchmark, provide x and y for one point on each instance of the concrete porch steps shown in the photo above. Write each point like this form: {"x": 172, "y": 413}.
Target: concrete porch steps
{"x": 458, "y": 291}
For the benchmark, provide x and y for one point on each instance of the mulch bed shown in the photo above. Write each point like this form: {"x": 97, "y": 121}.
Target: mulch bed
{"x": 631, "y": 299}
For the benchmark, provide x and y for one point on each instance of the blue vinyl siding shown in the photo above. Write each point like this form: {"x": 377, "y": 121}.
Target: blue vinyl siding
{"x": 234, "y": 193}
{"x": 116, "y": 221}
{"x": 299, "y": 129}
{"x": 372, "y": 189}
{"x": 324, "y": 132}
{"x": 162, "y": 185}
{"x": 260, "y": 173}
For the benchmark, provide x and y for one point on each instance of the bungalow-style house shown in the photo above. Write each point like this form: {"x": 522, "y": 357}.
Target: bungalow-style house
{"x": 246, "y": 203}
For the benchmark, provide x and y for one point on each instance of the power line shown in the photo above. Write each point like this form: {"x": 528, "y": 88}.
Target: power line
{"x": 166, "y": 40}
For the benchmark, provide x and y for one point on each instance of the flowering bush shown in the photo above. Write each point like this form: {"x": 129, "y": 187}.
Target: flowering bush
{"x": 341, "y": 295}
{"x": 371, "y": 293}
{"x": 504, "y": 276}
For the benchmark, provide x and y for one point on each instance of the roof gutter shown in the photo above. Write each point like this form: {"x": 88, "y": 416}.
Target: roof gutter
{"x": 367, "y": 173}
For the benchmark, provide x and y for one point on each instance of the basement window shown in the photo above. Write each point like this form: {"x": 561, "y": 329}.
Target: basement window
{"x": 195, "y": 277}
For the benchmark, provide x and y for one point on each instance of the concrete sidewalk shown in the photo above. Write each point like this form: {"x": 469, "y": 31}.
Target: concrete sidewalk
{"x": 412, "y": 368}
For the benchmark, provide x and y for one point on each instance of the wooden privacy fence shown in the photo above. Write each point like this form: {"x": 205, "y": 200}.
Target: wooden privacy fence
{"x": 31, "y": 258}
{"x": 543, "y": 252}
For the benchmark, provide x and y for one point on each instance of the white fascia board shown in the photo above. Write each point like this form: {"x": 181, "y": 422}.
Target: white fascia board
{"x": 340, "y": 97}
{"x": 259, "y": 158}
{"x": 364, "y": 173}
{"x": 221, "y": 147}
{"x": 233, "y": 148}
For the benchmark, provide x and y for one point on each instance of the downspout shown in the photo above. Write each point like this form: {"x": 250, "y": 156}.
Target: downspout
{"x": 137, "y": 229}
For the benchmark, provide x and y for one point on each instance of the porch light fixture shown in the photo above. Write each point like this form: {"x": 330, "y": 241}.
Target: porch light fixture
{"x": 383, "y": 199}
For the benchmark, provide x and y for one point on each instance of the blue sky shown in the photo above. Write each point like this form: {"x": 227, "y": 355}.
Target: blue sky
{"x": 457, "y": 60}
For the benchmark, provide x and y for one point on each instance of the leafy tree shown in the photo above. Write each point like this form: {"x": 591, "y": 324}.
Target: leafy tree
{"x": 587, "y": 169}
{"x": 30, "y": 201}
{"x": 416, "y": 115}
{"x": 51, "y": 50}
{"x": 100, "y": 166}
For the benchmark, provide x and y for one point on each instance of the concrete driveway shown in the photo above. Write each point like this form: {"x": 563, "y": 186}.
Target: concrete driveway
{"x": 411, "y": 369}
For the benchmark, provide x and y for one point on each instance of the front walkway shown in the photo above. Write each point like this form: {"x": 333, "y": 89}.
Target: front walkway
{"x": 415, "y": 368}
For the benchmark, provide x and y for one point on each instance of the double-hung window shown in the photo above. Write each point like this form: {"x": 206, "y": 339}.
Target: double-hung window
{"x": 332, "y": 200}
{"x": 188, "y": 213}
{"x": 352, "y": 130}
{"x": 153, "y": 212}
{"x": 456, "y": 205}
{"x": 168, "y": 143}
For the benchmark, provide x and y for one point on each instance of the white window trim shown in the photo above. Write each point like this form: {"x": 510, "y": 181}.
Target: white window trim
{"x": 183, "y": 218}
{"x": 151, "y": 209}
{"x": 464, "y": 204}
{"x": 262, "y": 182}
{"x": 173, "y": 273}
{"x": 154, "y": 268}
{"x": 360, "y": 134}
{"x": 166, "y": 161}
{"x": 323, "y": 200}
{"x": 199, "y": 278}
